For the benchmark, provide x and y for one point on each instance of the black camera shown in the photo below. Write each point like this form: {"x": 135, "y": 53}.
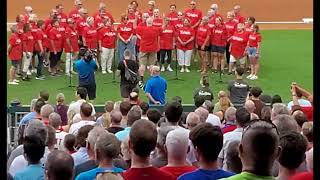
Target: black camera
{"x": 87, "y": 54}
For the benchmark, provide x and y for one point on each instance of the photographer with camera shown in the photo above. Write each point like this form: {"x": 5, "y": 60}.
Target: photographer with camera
{"x": 86, "y": 66}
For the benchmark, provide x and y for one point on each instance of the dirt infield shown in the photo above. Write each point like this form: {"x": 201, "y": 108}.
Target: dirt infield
{"x": 263, "y": 10}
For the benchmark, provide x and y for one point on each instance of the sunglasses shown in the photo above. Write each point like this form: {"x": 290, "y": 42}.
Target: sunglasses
{"x": 268, "y": 124}
{"x": 125, "y": 18}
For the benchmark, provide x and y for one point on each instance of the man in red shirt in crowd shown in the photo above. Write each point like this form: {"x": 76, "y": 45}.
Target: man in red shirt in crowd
{"x": 28, "y": 11}
{"x": 143, "y": 140}
{"x": 74, "y": 14}
{"x": 194, "y": 14}
{"x": 149, "y": 46}
{"x": 151, "y": 5}
{"x": 231, "y": 26}
{"x": 172, "y": 15}
{"x": 237, "y": 17}
{"x": 71, "y": 47}
{"x": 61, "y": 15}
{"x": 167, "y": 40}
{"x": 81, "y": 23}
{"x": 238, "y": 43}
{"x": 214, "y": 15}
{"x": 15, "y": 54}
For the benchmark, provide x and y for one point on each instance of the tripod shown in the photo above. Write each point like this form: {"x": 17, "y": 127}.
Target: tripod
{"x": 220, "y": 70}
{"x": 176, "y": 70}
{"x": 70, "y": 73}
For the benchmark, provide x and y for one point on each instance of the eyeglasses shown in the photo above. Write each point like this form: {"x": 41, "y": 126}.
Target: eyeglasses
{"x": 268, "y": 124}
{"x": 126, "y": 18}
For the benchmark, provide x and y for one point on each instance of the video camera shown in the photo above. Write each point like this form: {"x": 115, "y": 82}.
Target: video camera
{"x": 87, "y": 54}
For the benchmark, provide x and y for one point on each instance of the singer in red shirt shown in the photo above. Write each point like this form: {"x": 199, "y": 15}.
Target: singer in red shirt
{"x": 14, "y": 53}
{"x": 71, "y": 46}
{"x": 74, "y": 13}
{"x": 81, "y": 23}
{"x": 28, "y": 48}
{"x": 194, "y": 14}
{"x": 56, "y": 41}
{"x": 167, "y": 40}
{"x": 61, "y": 15}
{"x": 231, "y": 27}
{"x": 202, "y": 43}
{"x": 125, "y": 33}
{"x": 172, "y": 15}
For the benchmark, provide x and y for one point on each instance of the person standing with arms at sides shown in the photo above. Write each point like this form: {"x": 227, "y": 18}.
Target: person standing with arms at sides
{"x": 157, "y": 20}
{"x": 238, "y": 89}
{"x": 40, "y": 47}
{"x": 81, "y": 23}
{"x": 248, "y": 28}
{"x": 179, "y": 23}
{"x": 151, "y": 7}
{"x": 132, "y": 16}
{"x": 172, "y": 15}
{"x": 202, "y": 43}
{"x": 74, "y": 13}
{"x": 143, "y": 23}
{"x": 61, "y": 15}
{"x": 218, "y": 45}
{"x": 126, "y": 86}
{"x": 71, "y": 47}
{"x": 149, "y": 45}
{"x": 103, "y": 13}
{"x": 214, "y": 15}
{"x": 56, "y": 39}
{"x": 238, "y": 18}
{"x": 28, "y": 47}
{"x": 238, "y": 44}
{"x": 47, "y": 22}
{"x": 107, "y": 40}
{"x": 194, "y": 15}
{"x": 89, "y": 35}
{"x": 253, "y": 50}
{"x": 167, "y": 41}
{"x": 14, "y": 53}
{"x": 125, "y": 33}
{"x": 156, "y": 87}
{"x": 185, "y": 41}
{"x": 135, "y": 5}
{"x": 231, "y": 27}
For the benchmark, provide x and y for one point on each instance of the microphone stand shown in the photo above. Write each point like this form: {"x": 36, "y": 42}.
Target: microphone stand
{"x": 70, "y": 78}
{"x": 176, "y": 78}
{"x": 220, "y": 70}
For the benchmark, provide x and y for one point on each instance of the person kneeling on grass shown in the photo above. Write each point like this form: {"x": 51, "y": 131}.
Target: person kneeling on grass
{"x": 15, "y": 54}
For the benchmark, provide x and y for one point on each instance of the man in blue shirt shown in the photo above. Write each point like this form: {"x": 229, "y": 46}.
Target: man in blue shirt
{"x": 156, "y": 87}
{"x": 86, "y": 67}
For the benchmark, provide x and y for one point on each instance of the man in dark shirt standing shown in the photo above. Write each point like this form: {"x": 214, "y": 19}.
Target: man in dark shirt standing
{"x": 126, "y": 86}
{"x": 238, "y": 89}
{"x": 86, "y": 67}
{"x": 204, "y": 91}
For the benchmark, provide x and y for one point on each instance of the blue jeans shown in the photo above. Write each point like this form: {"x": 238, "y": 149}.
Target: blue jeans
{"x": 122, "y": 47}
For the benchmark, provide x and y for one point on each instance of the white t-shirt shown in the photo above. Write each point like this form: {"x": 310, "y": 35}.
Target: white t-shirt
{"x": 75, "y": 107}
{"x": 302, "y": 102}
{"x": 76, "y": 126}
{"x": 214, "y": 120}
{"x": 60, "y": 139}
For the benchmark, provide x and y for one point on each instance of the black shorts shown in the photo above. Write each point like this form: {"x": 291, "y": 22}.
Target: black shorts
{"x": 126, "y": 89}
{"x": 54, "y": 58}
{"x": 91, "y": 89}
{"x": 218, "y": 49}
{"x": 206, "y": 48}
{"x": 15, "y": 63}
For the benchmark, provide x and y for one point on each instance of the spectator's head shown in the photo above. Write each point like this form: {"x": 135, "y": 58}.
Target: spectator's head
{"x": 46, "y": 110}
{"x": 144, "y": 107}
{"x": 230, "y": 15}
{"x": 154, "y": 115}
{"x": 33, "y": 147}
{"x": 127, "y": 54}
{"x": 39, "y": 103}
{"x": 115, "y": 117}
{"x": 203, "y": 113}
{"x": 278, "y": 109}
{"x": 55, "y": 120}
{"x": 107, "y": 147}
{"x": 256, "y": 91}
{"x": 93, "y": 135}
{"x": 69, "y": 142}
{"x": 239, "y": 71}
{"x": 173, "y": 112}
{"x": 300, "y": 118}
{"x": 193, "y": 4}
{"x": 293, "y": 148}
{"x": 134, "y": 4}
{"x": 26, "y": 27}
{"x": 85, "y": 110}
{"x": 242, "y": 117}
{"x": 177, "y": 144}
{"x": 259, "y": 147}
{"x": 155, "y": 70}
{"x": 125, "y": 108}
{"x": 193, "y": 119}
{"x": 200, "y": 137}
{"x": 81, "y": 93}
{"x": 307, "y": 131}
{"x": 276, "y": 99}
{"x": 285, "y": 123}
{"x": 208, "y": 105}
{"x": 13, "y": 28}
{"x": 33, "y": 104}
{"x": 267, "y": 99}
{"x": 250, "y": 106}
{"x": 162, "y": 134}
{"x": 60, "y": 98}
{"x": 230, "y": 114}
{"x": 156, "y": 13}
{"x": 173, "y": 7}
{"x": 108, "y": 106}
{"x": 134, "y": 114}
{"x": 177, "y": 99}
{"x": 59, "y": 165}
{"x": 36, "y": 128}
{"x": 44, "y": 95}
{"x": 233, "y": 161}
{"x": 251, "y": 20}
{"x": 51, "y": 139}
{"x": 83, "y": 12}
{"x": 204, "y": 81}
{"x": 266, "y": 113}
{"x": 82, "y": 135}
{"x": 142, "y": 138}
{"x": 198, "y": 101}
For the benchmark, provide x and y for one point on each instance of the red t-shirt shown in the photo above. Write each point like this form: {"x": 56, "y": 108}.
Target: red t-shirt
{"x": 185, "y": 33}
{"x": 57, "y": 37}
{"x": 177, "y": 171}
{"x": 34, "y": 29}
{"x": 45, "y": 40}
{"x": 72, "y": 35}
{"x": 219, "y": 36}
{"x": 150, "y": 12}
{"x": 63, "y": 19}
{"x": 47, "y": 23}
{"x": 90, "y": 34}
{"x": 157, "y": 22}
{"x": 202, "y": 33}
{"x": 142, "y": 24}
{"x": 20, "y": 28}
{"x": 248, "y": 29}
{"x": 194, "y": 15}
{"x": 302, "y": 176}
{"x": 80, "y": 25}
{"x": 228, "y": 128}
{"x": 173, "y": 18}
{"x": 98, "y": 21}
{"x": 238, "y": 44}
{"x": 212, "y": 21}
{"x": 16, "y": 47}
{"x": 254, "y": 39}
{"x": 132, "y": 17}
{"x": 166, "y": 38}
{"x": 149, "y": 173}
{"x": 239, "y": 19}
{"x": 106, "y": 15}
{"x": 178, "y": 25}
{"x": 125, "y": 30}
{"x": 26, "y": 18}
{"x": 231, "y": 26}
{"x": 74, "y": 14}
{"x": 39, "y": 36}
{"x": 149, "y": 41}
{"x": 28, "y": 42}
{"x": 107, "y": 36}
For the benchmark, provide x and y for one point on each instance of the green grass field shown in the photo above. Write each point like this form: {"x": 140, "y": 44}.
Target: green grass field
{"x": 286, "y": 57}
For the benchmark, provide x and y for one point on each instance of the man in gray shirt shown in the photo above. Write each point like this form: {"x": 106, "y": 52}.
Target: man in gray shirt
{"x": 238, "y": 88}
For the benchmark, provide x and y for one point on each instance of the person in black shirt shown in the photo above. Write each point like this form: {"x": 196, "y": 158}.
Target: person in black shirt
{"x": 204, "y": 91}
{"x": 238, "y": 89}
{"x": 126, "y": 86}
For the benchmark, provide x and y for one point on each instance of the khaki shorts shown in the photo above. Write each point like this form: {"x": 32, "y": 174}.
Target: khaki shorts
{"x": 147, "y": 58}
{"x": 241, "y": 60}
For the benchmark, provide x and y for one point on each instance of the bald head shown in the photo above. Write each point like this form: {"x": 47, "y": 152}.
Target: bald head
{"x": 116, "y": 117}
{"x": 203, "y": 113}
{"x": 177, "y": 143}
{"x": 249, "y": 105}
{"x": 46, "y": 110}
{"x": 55, "y": 120}
{"x": 59, "y": 166}
{"x": 193, "y": 119}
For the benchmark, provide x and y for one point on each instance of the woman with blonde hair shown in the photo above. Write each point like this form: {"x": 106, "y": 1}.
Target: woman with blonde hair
{"x": 224, "y": 102}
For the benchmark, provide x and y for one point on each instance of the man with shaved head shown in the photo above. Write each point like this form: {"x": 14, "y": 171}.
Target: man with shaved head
{"x": 258, "y": 150}
{"x": 115, "y": 125}
{"x": 59, "y": 166}
{"x": 250, "y": 106}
